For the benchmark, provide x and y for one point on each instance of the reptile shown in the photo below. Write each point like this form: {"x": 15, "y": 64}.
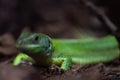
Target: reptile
{"x": 40, "y": 49}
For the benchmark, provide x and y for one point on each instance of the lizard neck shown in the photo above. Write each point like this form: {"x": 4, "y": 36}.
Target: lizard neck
{"x": 42, "y": 59}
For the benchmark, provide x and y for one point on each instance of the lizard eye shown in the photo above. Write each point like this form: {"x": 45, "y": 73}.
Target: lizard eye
{"x": 36, "y": 39}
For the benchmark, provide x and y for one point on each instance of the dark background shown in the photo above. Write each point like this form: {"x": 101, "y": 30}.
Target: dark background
{"x": 56, "y": 18}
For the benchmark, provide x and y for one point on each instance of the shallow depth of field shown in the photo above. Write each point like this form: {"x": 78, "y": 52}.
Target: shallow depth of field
{"x": 58, "y": 19}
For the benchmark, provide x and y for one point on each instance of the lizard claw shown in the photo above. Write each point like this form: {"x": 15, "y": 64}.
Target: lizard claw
{"x": 26, "y": 63}
{"x": 54, "y": 69}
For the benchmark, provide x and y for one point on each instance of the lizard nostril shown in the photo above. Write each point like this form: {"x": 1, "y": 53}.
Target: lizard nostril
{"x": 19, "y": 42}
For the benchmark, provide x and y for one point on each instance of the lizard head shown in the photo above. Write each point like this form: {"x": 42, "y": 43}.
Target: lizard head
{"x": 33, "y": 43}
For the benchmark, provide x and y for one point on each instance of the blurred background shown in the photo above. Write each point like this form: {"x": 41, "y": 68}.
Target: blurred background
{"x": 63, "y": 18}
{"x": 57, "y": 18}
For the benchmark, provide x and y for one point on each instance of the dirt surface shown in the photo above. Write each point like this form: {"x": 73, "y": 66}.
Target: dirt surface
{"x": 100, "y": 71}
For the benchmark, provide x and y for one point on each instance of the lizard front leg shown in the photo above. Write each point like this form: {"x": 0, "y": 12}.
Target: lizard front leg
{"x": 22, "y": 57}
{"x": 64, "y": 63}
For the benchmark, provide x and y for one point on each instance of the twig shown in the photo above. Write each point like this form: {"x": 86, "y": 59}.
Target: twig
{"x": 103, "y": 18}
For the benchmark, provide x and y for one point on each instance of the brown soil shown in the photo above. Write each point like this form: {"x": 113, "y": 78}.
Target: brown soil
{"x": 100, "y": 71}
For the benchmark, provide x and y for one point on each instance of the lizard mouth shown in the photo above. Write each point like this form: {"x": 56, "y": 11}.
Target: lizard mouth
{"x": 29, "y": 46}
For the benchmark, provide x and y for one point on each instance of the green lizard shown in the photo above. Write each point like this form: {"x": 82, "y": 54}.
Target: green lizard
{"x": 40, "y": 49}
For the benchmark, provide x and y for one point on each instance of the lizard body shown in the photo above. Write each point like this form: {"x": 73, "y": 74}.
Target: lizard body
{"x": 40, "y": 49}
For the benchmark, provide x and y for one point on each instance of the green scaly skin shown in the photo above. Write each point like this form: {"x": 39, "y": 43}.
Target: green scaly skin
{"x": 41, "y": 50}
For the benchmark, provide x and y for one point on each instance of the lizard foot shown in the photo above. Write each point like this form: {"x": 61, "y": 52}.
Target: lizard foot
{"x": 24, "y": 63}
